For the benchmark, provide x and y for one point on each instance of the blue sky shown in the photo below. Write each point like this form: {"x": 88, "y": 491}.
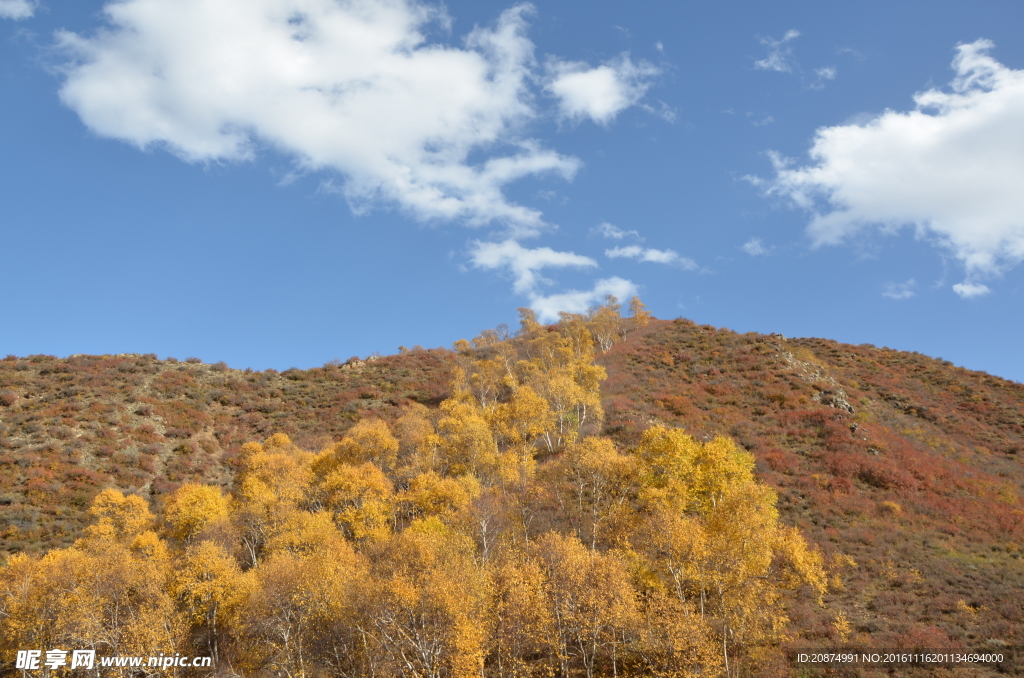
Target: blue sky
{"x": 276, "y": 183}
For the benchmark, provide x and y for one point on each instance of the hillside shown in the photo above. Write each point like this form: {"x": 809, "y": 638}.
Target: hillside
{"x": 70, "y": 427}
{"x": 904, "y": 470}
{"x": 905, "y": 463}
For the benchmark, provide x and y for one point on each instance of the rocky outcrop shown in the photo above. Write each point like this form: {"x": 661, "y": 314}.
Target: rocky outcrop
{"x": 833, "y": 395}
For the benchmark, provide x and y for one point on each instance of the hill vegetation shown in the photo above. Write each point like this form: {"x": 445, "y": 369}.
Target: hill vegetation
{"x": 496, "y": 533}
{"x": 901, "y": 472}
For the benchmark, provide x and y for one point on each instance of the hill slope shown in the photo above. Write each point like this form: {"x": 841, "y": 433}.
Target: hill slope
{"x": 905, "y": 463}
{"x": 71, "y": 427}
{"x": 904, "y": 470}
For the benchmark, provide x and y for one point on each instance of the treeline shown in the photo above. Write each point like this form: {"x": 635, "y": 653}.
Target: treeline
{"x": 496, "y": 535}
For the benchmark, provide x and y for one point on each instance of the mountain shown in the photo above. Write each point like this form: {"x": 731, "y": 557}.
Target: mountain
{"x": 904, "y": 470}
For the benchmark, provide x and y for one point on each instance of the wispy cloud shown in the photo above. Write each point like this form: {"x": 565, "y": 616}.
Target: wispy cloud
{"x": 952, "y": 169}
{"x": 523, "y": 262}
{"x": 780, "y": 59}
{"x": 17, "y": 9}
{"x": 779, "y": 53}
{"x": 614, "y": 232}
{"x": 823, "y": 75}
{"x": 651, "y": 255}
{"x": 903, "y": 290}
{"x": 755, "y": 248}
{"x": 849, "y": 51}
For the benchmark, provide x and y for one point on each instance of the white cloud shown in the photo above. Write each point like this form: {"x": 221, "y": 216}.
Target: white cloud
{"x": 778, "y": 53}
{"x": 350, "y": 87}
{"x": 614, "y": 232}
{"x": 355, "y": 90}
{"x": 575, "y": 301}
{"x": 599, "y": 93}
{"x": 824, "y": 74}
{"x": 952, "y": 168}
{"x": 651, "y": 255}
{"x": 524, "y": 263}
{"x": 755, "y": 248}
{"x": 16, "y": 9}
{"x": 969, "y": 290}
{"x": 904, "y": 290}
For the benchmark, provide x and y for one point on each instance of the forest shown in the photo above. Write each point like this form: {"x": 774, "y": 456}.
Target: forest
{"x": 498, "y": 533}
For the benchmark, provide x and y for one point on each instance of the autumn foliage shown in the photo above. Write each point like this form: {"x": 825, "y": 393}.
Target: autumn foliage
{"x": 498, "y": 533}
{"x": 902, "y": 470}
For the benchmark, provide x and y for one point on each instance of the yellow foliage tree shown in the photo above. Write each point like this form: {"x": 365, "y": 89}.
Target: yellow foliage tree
{"x": 426, "y": 609}
{"x": 108, "y": 592}
{"x": 361, "y": 499}
{"x": 272, "y": 484}
{"x": 431, "y": 495}
{"x": 716, "y": 536}
{"x": 605, "y": 323}
{"x": 522, "y": 614}
{"x": 637, "y": 309}
{"x": 465, "y": 440}
{"x": 593, "y": 602}
{"x": 596, "y": 485}
{"x": 295, "y": 601}
{"x": 520, "y": 420}
{"x": 191, "y": 508}
{"x": 118, "y": 518}
{"x": 370, "y": 440}
{"x": 209, "y": 585}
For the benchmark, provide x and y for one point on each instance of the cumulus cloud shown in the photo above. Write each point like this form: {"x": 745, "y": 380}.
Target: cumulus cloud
{"x": 16, "y": 9}
{"x": 614, "y": 232}
{"x": 952, "y": 168}
{"x": 358, "y": 91}
{"x": 651, "y": 255}
{"x": 350, "y": 87}
{"x": 969, "y": 290}
{"x": 523, "y": 262}
{"x": 779, "y": 53}
{"x": 904, "y": 290}
{"x": 576, "y": 301}
{"x": 599, "y": 93}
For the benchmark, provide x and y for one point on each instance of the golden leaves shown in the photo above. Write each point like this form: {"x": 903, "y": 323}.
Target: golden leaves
{"x": 192, "y": 507}
{"x": 118, "y": 517}
{"x": 362, "y": 500}
{"x": 370, "y": 440}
